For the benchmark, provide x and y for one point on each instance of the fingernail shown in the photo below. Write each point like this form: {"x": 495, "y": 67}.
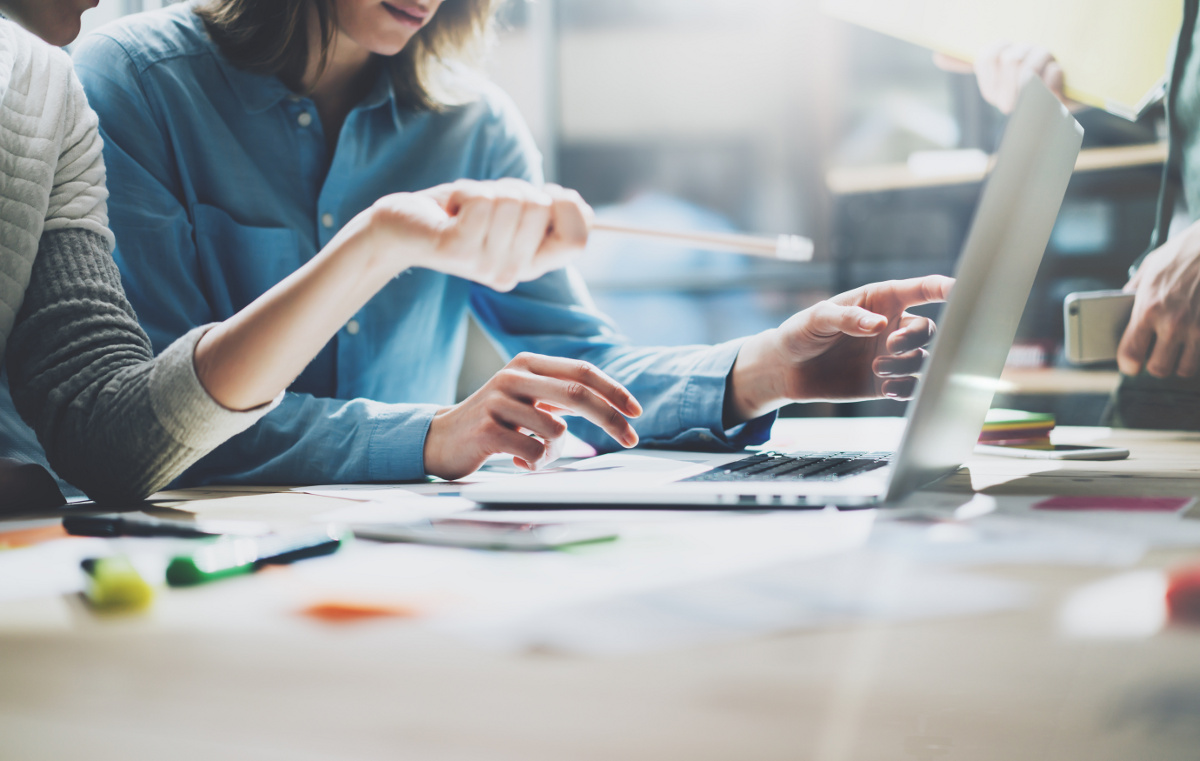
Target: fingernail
{"x": 630, "y": 440}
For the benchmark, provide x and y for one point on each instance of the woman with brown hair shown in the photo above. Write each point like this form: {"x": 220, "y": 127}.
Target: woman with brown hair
{"x": 242, "y": 135}
{"x": 114, "y": 421}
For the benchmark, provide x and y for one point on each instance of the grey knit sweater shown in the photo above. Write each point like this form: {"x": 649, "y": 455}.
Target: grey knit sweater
{"x": 114, "y": 421}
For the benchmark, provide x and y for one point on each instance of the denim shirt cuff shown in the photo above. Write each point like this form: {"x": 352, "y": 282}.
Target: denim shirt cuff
{"x": 703, "y": 402}
{"x": 396, "y": 449}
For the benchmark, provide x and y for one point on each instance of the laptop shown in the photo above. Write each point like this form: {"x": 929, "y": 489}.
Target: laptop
{"x": 1015, "y": 215}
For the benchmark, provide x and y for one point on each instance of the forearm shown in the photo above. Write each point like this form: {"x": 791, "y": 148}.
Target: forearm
{"x": 316, "y": 440}
{"x": 683, "y": 391}
{"x": 113, "y": 421}
{"x": 248, "y": 359}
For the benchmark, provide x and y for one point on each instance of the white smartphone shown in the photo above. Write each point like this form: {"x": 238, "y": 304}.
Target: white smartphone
{"x": 1054, "y": 452}
{"x": 486, "y": 534}
{"x": 1093, "y": 322}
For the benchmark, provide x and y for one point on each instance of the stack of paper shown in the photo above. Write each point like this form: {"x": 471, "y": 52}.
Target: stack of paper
{"x": 1006, "y": 426}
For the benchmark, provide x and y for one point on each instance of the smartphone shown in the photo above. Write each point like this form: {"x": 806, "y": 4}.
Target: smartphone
{"x": 1054, "y": 452}
{"x": 1093, "y": 322}
{"x": 485, "y": 534}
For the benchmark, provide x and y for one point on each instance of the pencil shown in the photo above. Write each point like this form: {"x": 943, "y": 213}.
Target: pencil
{"x": 792, "y": 248}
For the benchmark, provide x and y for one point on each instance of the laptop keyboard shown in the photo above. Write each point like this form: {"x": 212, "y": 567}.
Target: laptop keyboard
{"x": 798, "y": 466}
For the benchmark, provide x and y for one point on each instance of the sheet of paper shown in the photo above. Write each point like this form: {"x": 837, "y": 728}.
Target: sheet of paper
{"x": 49, "y": 568}
{"x": 283, "y": 508}
{"x": 1002, "y": 539}
{"x": 442, "y": 586}
{"x": 413, "y": 508}
{"x": 791, "y": 596}
{"x": 1113, "y": 52}
{"x": 1151, "y": 527}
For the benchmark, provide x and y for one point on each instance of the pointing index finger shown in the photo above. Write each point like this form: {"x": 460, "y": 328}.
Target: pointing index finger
{"x": 915, "y": 291}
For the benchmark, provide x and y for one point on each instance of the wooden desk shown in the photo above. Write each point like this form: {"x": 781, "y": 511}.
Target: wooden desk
{"x": 990, "y": 688}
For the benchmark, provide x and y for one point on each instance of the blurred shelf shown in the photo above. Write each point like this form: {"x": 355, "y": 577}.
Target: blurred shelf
{"x": 886, "y": 177}
{"x": 1058, "y": 380}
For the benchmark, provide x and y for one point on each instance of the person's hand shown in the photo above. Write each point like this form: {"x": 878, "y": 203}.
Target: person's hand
{"x": 1002, "y": 68}
{"x": 859, "y": 345}
{"x": 498, "y": 233}
{"x": 518, "y": 412}
{"x": 1163, "y": 334}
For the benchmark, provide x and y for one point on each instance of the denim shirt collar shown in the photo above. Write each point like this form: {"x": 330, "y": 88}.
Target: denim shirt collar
{"x": 259, "y": 92}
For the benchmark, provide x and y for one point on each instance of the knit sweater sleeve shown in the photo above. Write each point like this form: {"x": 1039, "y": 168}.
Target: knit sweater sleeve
{"x": 114, "y": 421}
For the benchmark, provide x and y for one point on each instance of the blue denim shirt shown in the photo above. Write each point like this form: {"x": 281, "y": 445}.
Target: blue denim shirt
{"x": 221, "y": 185}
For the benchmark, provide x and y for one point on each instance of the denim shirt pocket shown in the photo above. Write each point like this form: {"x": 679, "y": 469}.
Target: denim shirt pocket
{"x": 240, "y": 262}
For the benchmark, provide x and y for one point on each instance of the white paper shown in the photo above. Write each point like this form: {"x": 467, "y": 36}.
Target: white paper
{"x": 49, "y": 568}
{"x": 834, "y": 591}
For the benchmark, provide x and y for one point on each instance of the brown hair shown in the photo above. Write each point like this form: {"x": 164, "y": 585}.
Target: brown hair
{"x": 271, "y": 37}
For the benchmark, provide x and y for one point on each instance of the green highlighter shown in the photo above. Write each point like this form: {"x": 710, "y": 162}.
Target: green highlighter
{"x": 236, "y": 555}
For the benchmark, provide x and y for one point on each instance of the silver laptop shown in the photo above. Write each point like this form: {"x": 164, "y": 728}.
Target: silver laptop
{"x": 1016, "y": 212}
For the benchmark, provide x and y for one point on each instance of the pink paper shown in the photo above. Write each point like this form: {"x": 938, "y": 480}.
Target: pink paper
{"x": 1135, "y": 504}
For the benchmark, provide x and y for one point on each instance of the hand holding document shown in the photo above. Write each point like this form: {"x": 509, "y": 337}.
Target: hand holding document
{"x": 1113, "y": 53}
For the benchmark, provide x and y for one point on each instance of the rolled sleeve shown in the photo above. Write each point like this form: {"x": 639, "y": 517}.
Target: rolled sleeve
{"x": 702, "y": 406}
{"x": 184, "y": 407}
{"x": 396, "y": 449}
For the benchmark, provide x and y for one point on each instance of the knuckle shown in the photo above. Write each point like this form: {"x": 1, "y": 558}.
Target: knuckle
{"x": 506, "y": 378}
{"x": 585, "y": 370}
{"x": 616, "y": 419}
{"x": 576, "y": 392}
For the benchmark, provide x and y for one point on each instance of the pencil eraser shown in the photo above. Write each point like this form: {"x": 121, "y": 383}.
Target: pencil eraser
{"x": 794, "y": 248}
{"x": 1183, "y": 594}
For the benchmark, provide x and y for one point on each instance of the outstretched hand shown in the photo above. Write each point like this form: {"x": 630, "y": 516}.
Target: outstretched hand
{"x": 861, "y": 344}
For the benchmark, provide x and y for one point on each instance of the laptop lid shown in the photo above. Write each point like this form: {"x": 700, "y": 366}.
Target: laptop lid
{"x": 1013, "y": 221}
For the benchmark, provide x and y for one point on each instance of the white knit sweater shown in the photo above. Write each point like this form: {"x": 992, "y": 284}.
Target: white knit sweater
{"x": 113, "y": 420}
{"x": 51, "y": 169}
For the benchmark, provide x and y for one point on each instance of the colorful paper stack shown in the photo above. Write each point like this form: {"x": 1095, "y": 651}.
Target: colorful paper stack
{"x": 1013, "y": 426}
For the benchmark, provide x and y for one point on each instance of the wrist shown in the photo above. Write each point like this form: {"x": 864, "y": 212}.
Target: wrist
{"x": 378, "y": 254}
{"x": 434, "y": 454}
{"x": 754, "y": 387}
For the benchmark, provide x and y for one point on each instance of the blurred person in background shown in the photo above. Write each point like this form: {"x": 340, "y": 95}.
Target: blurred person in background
{"x": 242, "y": 135}
{"x": 1159, "y": 352}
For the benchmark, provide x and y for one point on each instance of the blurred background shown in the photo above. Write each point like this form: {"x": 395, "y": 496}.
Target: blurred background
{"x": 766, "y": 116}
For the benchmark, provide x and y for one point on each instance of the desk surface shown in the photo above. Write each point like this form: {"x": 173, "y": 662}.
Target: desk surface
{"x": 1000, "y": 686}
